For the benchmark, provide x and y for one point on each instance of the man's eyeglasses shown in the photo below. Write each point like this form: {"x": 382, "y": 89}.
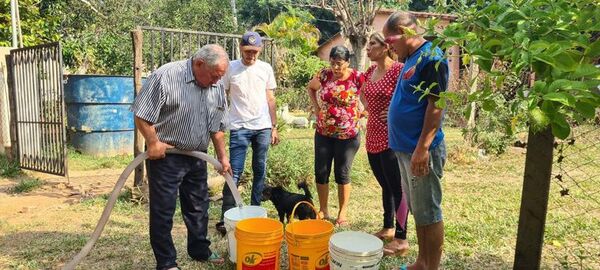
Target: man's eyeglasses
{"x": 391, "y": 39}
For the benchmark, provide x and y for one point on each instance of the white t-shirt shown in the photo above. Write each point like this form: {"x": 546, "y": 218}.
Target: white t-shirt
{"x": 248, "y": 87}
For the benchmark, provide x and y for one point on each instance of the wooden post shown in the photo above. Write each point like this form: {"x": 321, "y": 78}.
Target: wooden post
{"x": 138, "y": 139}
{"x": 13, "y": 153}
{"x": 454, "y": 68}
{"x": 534, "y": 199}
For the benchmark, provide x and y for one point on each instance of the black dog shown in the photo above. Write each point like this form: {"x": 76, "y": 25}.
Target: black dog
{"x": 285, "y": 201}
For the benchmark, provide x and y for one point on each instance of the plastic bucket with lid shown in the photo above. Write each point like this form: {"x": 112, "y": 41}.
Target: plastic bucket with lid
{"x": 233, "y": 216}
{"x": 307, "y": 242}
{"x": 258, "y": 243}
{"x": 354, "y": 250}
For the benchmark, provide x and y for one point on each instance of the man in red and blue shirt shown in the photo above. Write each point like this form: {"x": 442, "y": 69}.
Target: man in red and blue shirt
{"x": 415, "y": 132}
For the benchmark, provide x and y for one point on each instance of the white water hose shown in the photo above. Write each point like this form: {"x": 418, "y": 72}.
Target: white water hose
{"x": 121, "y": 182}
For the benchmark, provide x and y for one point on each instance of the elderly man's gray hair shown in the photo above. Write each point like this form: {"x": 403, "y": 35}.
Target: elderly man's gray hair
{"x": 211, "y": 54}
{"x": 400, "y": 19}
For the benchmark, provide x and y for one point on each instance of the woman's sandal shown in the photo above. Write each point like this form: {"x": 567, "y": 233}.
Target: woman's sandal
{"x": 342, "y": 223}
{"x": 215, "y": 259}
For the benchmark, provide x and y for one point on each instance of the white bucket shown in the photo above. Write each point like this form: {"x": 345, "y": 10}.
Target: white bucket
{"x": 232, "y": 216}
{"x": 354, "y": 250}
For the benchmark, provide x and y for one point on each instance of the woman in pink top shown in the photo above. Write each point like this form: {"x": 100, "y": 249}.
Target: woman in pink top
{"x": 334, "y": 93}
{"x": 376, "y": 94}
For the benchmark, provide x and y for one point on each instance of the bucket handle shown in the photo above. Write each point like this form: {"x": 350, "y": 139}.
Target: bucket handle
{"x": 298, "y": 204}
{"x": 291, "y": 220}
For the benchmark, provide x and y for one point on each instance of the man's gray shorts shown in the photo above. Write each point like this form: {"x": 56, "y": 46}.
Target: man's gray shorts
{"x": 424, "y": 194}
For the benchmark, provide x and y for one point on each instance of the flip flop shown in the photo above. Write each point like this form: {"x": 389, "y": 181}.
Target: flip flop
{"x": 342, "y": 223}
{"x": 215, "y": 259}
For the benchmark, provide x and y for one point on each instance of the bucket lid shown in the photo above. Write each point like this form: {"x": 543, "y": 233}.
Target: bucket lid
{"x": 356, "y": 243}
{"x": 244, "y": 212}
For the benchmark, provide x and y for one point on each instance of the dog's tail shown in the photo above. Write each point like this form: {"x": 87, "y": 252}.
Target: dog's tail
{"x": 302, "y": 185}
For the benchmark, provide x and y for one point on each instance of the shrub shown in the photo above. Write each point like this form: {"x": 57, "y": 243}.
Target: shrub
{"x": 8, "y": 168}
{"x": 27, "y": 185}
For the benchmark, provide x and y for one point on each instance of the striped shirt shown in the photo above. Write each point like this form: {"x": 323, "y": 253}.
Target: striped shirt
{"x": 183, "y": 113}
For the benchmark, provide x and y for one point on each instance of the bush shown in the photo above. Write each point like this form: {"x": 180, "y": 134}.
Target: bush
{"x": 295, "y": 98}
{"x": 27, "y": 185}
{"x": 288, "y": 163}
{"x": 8, "y": 168}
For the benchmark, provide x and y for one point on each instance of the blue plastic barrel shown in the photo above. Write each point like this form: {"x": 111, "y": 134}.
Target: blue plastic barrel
{"x": 98, "y": 116}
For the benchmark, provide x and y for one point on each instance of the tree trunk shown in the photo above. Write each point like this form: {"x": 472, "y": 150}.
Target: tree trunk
{"x": 359, "y": 56}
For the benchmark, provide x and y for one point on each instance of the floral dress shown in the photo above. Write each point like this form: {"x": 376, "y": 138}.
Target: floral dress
{"x": 338, "y": 101}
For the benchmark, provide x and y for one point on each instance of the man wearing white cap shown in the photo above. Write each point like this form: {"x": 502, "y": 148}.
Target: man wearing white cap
{"x": 250, "y": 83}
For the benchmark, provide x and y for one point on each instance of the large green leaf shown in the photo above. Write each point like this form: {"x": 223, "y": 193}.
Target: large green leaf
{"x": 587, "y": 110}
{"x": 560, "y": 127}
{"x": 594, "y": 49}
{"x": 565, "y": 61}
{"x": 544, "y": 58}
{"x": 560, "y": 97}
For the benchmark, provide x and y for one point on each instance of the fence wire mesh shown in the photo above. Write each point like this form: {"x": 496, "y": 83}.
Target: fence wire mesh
{"x": 573, "y": 221}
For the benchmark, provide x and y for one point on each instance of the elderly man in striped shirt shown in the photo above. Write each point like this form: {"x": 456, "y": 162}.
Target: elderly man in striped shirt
{"x": 181, "y": 105}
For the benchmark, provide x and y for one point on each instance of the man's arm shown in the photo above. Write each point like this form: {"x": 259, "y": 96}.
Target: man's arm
{"x": 431, "y": 123}
{"x": 218, "y": 140}
{"x": 433, "y": 117}
{"x": 273, "y": 114}
{"x": 156, "y": 148}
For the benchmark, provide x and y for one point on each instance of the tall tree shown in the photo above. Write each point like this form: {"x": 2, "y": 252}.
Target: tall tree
{"x": 356, "y": 22}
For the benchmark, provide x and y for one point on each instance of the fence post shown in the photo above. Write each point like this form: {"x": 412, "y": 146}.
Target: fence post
{"x": 13, "y": 154}
{"x": 138, "y": 139}
{"x": 534, "y": 199}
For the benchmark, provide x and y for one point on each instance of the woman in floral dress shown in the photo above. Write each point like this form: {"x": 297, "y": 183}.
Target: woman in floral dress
{"x": 334, "y": 94}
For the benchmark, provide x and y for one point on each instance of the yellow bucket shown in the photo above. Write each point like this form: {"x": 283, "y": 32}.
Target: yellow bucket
{"x": 308, "y": 242}
{"x": 258, "y": 244}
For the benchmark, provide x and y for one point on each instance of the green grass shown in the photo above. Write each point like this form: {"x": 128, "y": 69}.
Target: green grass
{"x": 82, "y": 162}
{"x": 26, "y": 185}
{"x": 8, "y": 168}
{"x": 481, "y": 210}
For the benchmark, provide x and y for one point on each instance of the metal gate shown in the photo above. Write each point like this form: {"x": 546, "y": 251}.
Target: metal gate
{"x": 37, "y": 107}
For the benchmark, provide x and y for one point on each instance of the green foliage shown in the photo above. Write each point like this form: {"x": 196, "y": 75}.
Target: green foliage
{"x": 38, "y": 23}
{"x": 496, "y": 129}
{"x": 297, "y": 40}
{"x": 293, "y": 30}
{"x": 295, "y": 97}
{"x": 8, "y": 168}
{"x": 552, "y": 39}
{"x": 27, "y": 185}
{"x": 289, "y": 163}
{"x": 96, "y": 34}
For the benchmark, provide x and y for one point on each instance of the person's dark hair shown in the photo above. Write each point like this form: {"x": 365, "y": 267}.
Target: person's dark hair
{"x": 400, "y": 19}
{"x": 339, "y": 52}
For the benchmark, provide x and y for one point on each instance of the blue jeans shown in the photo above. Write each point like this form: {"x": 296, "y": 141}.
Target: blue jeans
{"x": 239, "y": 140}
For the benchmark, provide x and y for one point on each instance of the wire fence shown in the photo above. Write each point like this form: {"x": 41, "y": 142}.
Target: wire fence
{"x": 572, "y": 235}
